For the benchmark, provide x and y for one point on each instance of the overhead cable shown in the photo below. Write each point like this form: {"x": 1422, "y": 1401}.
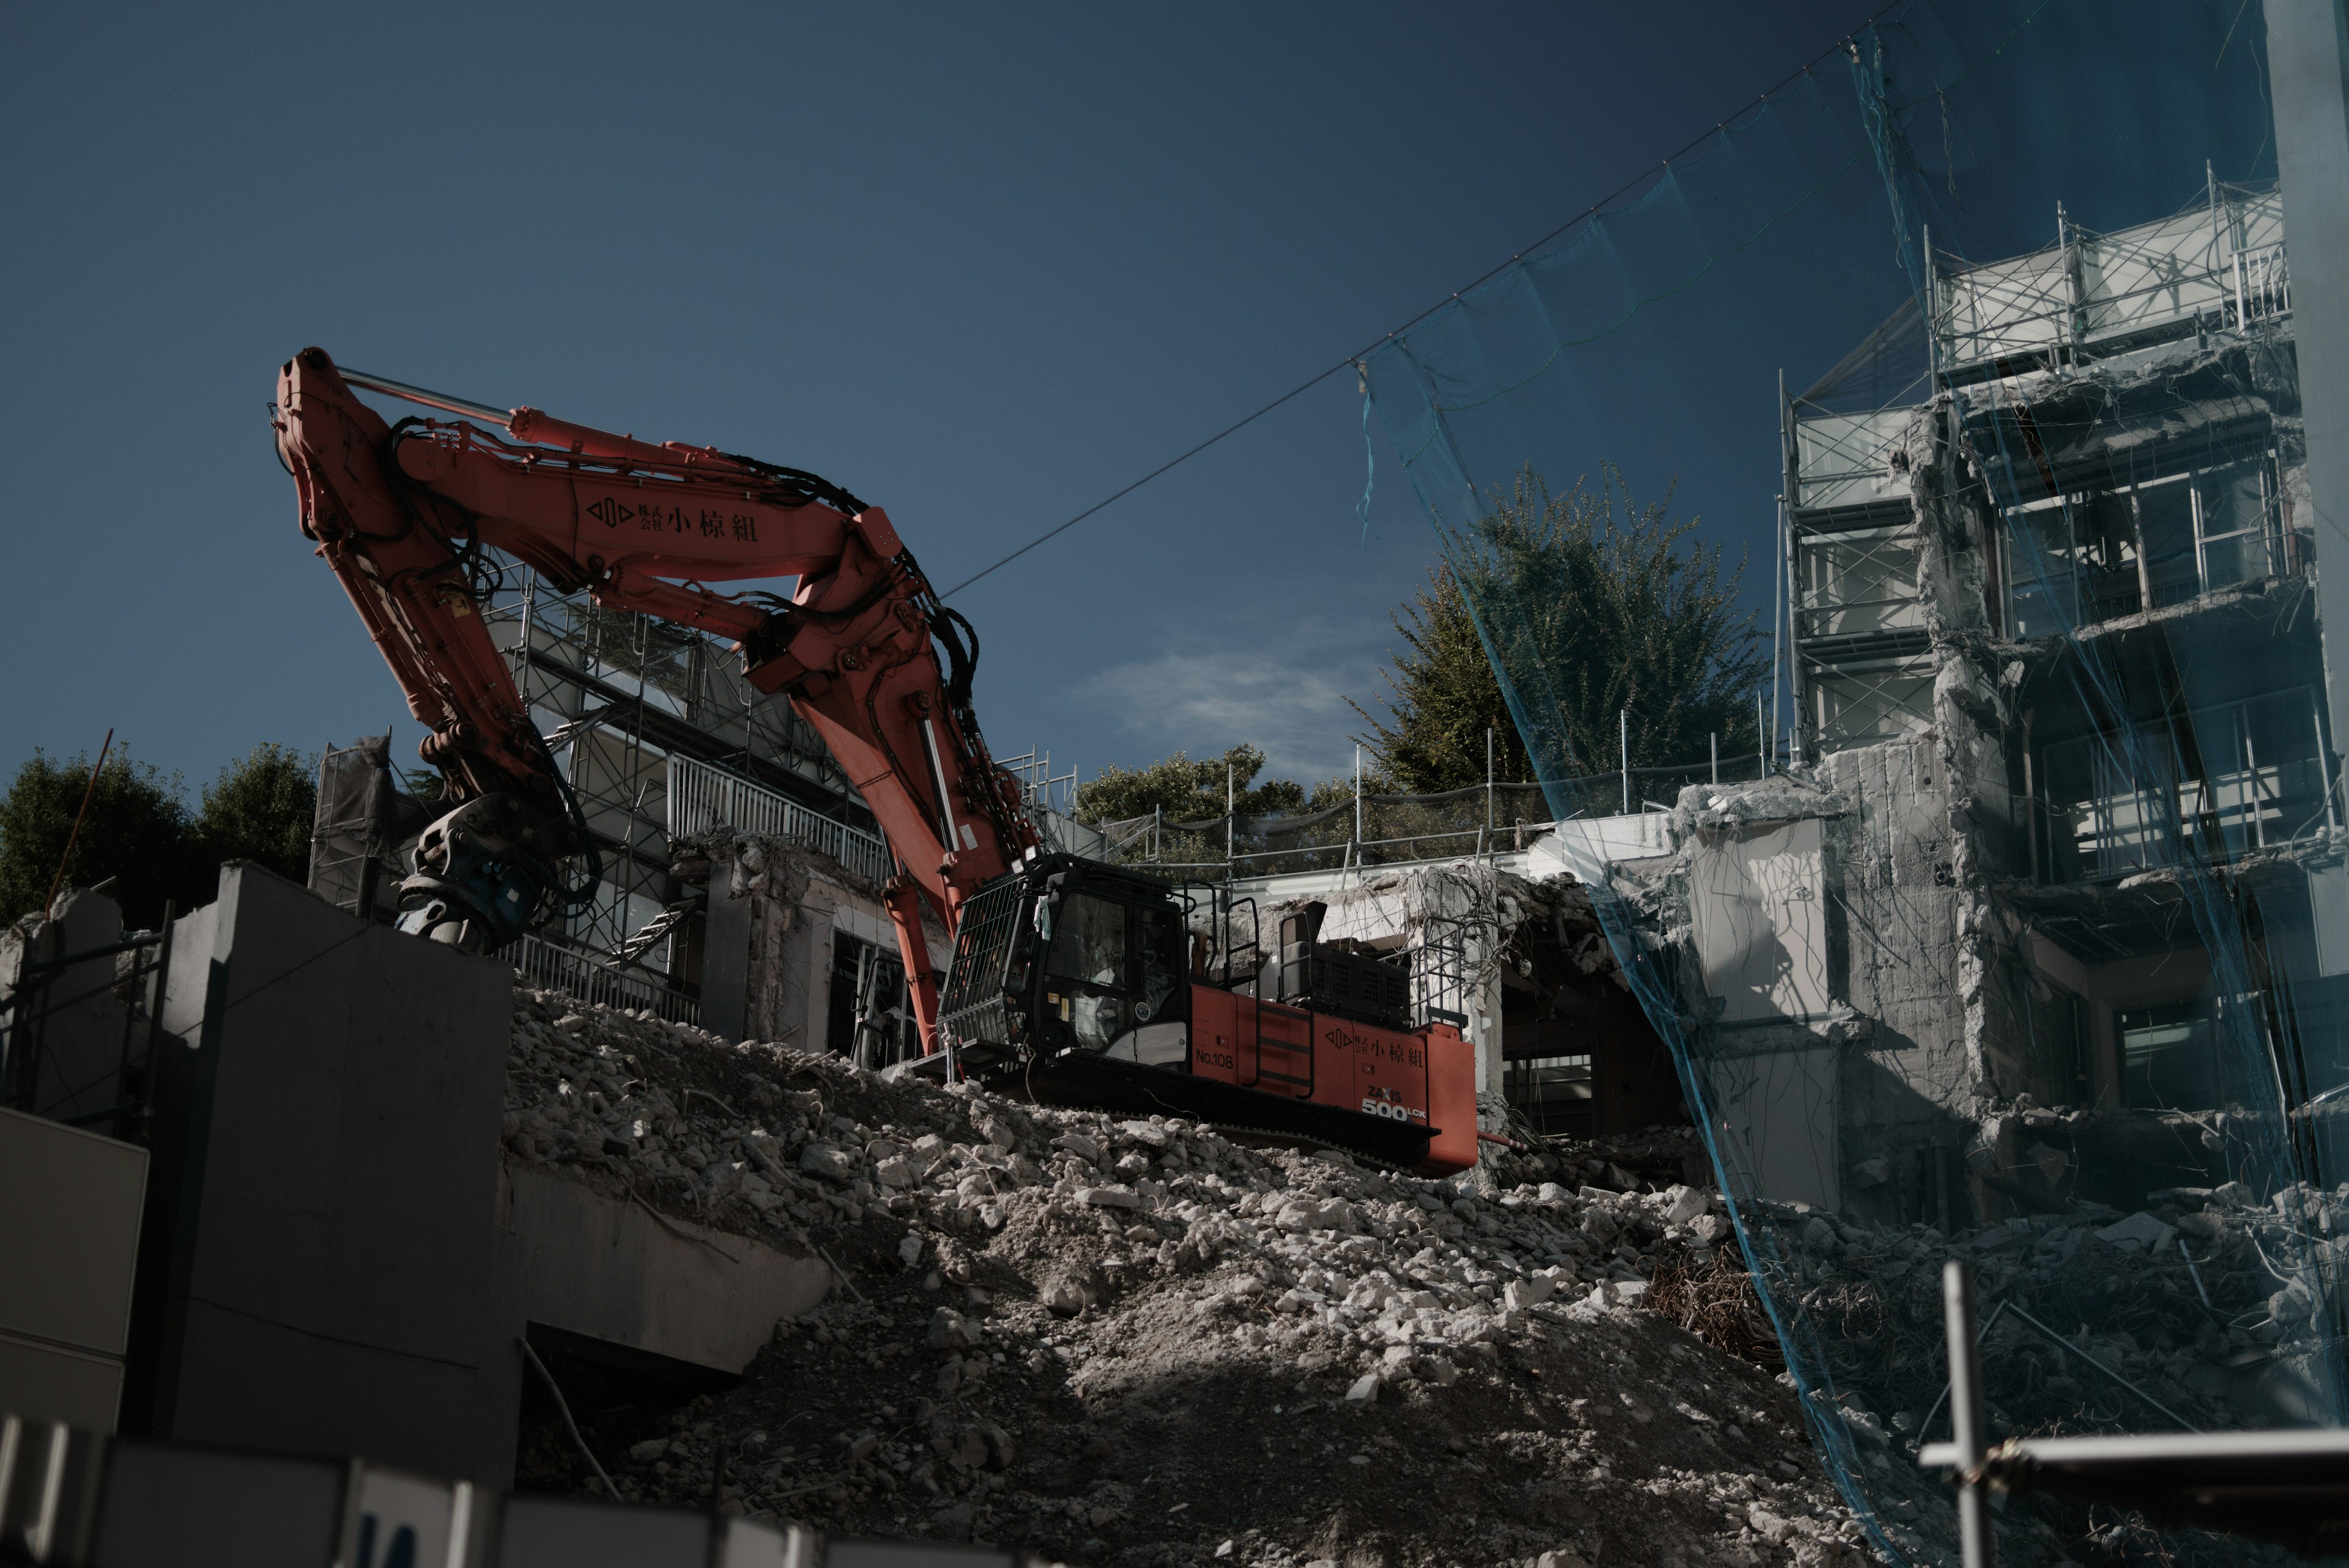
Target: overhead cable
{"x": 1358, "y": 357}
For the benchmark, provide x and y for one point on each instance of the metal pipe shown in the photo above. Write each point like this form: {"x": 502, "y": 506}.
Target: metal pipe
{"x": 1490, "y": 822}
{"x": 1778, "y": 608}
{"x": 1231, "y": 798}
{"x": 1357, "y": 792}
{"x": 1974, "y": 1541}
{"x": 1623, "y": 722}
{"x": 1933, "y": 323}
{"x": 384, "y": 384}
{"x": 2324, "y": 763}
{"x": 1713, "y": 741}
{"x": 87, "y": 790}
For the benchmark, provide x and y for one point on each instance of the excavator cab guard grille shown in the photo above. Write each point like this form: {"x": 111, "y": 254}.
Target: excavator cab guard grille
{"x": 982, "y": 988}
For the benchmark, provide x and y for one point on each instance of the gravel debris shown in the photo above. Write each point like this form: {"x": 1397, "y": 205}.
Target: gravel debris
{"x": 1136, "y": 1341}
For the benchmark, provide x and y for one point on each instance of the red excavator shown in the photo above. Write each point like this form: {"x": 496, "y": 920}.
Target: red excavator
{"x": 1073, "y": 981}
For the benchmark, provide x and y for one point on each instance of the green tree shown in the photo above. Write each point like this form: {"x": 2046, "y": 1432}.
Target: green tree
{"x": 261, "y": 808}
{"x": 133, "y": 838}
{"x": 1185, "y": 790}
{"x": 1444, "y": 700}
{"x": 1597, "y": 606}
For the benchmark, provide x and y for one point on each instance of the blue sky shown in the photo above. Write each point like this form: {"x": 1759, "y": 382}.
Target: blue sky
{"x": 982, "y": 265}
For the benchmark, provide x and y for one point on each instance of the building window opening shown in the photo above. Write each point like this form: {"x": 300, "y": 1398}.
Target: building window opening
{"x": 2112, "y": 805}
{"x": 2078, "y": 559}
{"x": 2166, "y": 1060}
{"x": 1554, "y": 1093}
{"x": 868, "y": 1017}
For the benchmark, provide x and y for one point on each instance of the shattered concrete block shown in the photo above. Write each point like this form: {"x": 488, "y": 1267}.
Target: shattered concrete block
{"x": 1522, "y": 1293}
{"x": 823, "y": 1159}
{"x": 1711, "y": 1230}
{"x": 1610, "y": 1294}
{"x": 1871, "y": 1172}
{"x": 1683, "y": 1203}
{"x": 2002, "y": 1237}
{"x": 2047, "y": 1162}
{"x": 2139, "y": 1232}
{"x": 648, "y": 1450}
{"x": 1156, "y": 1136}
{"x": 909, "y": 1251}
{"x": 1080, "y": 1145}
{"x": 1065, "y": 1300}
{"x": 1112, "y": 1196}
{"x": 2294, "y": 1303}
{"x": 895, "y": 1172}
{"x": 1818, "y": 1235}
{"x": 1002, "y": 1452}
{"x": 1435, "y": 1369}
{"x": 949, "y": 1330}
{"x": 1364, "y": 1390}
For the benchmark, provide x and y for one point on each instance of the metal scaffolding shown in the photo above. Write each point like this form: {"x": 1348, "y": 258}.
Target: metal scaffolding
{"x": 1859, "y": 659}
{"x": 659, "y": 735}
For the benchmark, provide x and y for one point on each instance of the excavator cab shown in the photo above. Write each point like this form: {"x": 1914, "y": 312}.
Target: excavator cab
{"x": 1069, "y": 955}
{"x": 1081, "y": 983}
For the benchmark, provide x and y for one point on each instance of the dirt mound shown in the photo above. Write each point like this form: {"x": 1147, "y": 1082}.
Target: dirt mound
{"x": 1136, "y": 1342}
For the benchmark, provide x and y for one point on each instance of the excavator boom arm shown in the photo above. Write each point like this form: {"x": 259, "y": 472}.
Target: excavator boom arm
{"x": 402, "y": 512}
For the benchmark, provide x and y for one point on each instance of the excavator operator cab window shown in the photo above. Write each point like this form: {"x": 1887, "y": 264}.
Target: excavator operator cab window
{"x": 1087, "y": 966}
{"x": 1114, "y": 980}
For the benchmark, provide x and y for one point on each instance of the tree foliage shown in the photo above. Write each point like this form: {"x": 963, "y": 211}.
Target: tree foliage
{"x": 133, "y": 837}
{"x": 1443, "y": 700}
{"x": 1597, "y": 606}
{"x": 140, "y": 839}
{"x": 1187, "y": 791}
{"x": 261, "y": 809}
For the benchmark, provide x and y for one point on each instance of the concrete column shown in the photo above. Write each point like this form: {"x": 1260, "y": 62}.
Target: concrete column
{"x": 2308, "y": 63}
{"x": 1485, "y": 1035}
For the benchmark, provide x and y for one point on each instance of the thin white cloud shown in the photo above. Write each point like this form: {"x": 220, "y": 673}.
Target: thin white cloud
{"x": 1286, "y": 694}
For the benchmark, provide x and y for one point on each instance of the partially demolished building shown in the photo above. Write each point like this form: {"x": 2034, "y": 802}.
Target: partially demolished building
{"x": 2054, "y": 632}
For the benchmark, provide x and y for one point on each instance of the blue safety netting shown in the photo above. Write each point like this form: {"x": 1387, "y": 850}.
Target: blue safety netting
{"x": 1978, "y": 337}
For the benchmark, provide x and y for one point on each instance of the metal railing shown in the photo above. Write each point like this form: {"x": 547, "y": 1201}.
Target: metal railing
{"x": 590, "y": 979}
{"x": 701, "y": 798}
{"x": 2221, "y": 264}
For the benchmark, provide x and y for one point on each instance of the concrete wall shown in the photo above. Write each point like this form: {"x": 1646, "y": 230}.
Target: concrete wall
{"x": 81, "y": 1030}
{"x": 583, "y": 1262}
{"x": 323, "y": 1275}
{"x": 337, "y": 1261}
{"x": 68, "y": 1255}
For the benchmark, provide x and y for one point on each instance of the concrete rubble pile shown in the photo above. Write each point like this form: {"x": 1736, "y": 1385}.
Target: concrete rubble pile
{"x": 1139, "y": 1342}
